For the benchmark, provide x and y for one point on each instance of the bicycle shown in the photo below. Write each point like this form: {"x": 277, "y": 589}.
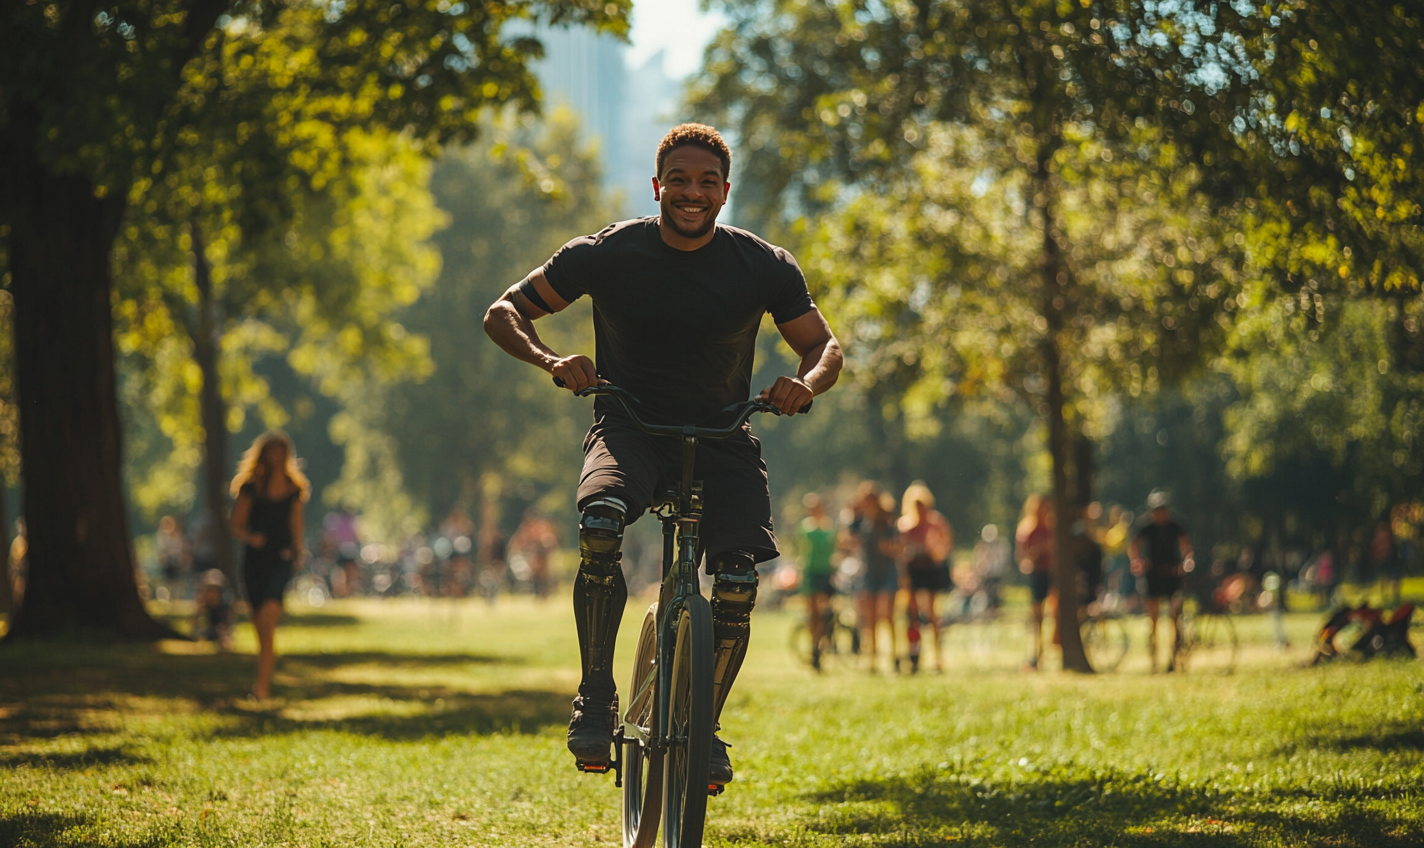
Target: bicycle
{"x": 1105, "y": 640}
{"x": 662, "y": 748}
{"x": 1206, "y": 640}
{"x": 840, "y": 637}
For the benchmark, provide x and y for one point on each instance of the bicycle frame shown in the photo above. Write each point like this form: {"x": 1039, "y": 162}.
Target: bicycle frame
{"x": 680, "y": 518}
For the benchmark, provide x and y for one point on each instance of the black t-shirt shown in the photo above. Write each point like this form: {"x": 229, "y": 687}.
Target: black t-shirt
{"x": 678, "y": 328}
{"x": 1160, "y": 543}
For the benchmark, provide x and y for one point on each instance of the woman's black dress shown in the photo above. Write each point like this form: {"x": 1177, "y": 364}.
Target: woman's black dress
{"x": 267, "y": 570}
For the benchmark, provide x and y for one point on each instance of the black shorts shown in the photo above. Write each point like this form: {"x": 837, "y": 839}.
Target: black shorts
{"x": 818, "y": 583}
{"x": 1039, "y": 585}
{"x": 927, "y": 575}
{"x": 623, "y": 462}
{"x": 265, "y": 579}
{"x": 1158, "y": 584}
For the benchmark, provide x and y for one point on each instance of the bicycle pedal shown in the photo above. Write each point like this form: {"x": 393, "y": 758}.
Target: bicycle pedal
{"x": 715, "y": 789}
{"x": 593, "y": 768}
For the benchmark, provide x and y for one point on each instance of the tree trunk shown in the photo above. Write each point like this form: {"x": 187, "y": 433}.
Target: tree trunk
{"x": 214, "y": 411}
{"x": 1083, "y": 471}
{"x": 7, "y": 588}
{"x": 1066, "y": 568}
{"x": 81, "y": 576}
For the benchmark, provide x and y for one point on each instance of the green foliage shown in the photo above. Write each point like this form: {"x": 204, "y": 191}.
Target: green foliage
{"x": 482, "y": 423}
{"x": 111, "y": 89}
{"x": 321, "y": 294}
{"x": 945, "y": 155}
{"x": 1342, "y": 396}
{"x": 293, "y": 149}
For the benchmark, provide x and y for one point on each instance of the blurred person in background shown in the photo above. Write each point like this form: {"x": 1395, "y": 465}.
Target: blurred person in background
{"x": 19, "y": 559}
{"x": 1114, "y": 538}
{"x": 173, "y": 559}
{"x": 1088, "y": 562}
{"x": 817, "y": 534}
{"x": 270, "y": 490}
{"x": 1385, "y": 565}
{"x": 878, "y": 542}
{"x": 202, "y": 542}
{"x": 212, "y": 614}
{"x": 991, "y": 564}
{"x": 1161, "y": 553}
{"x": 1034, "y": 540}
{"x": 536, "y": 540}
{"x": 927, "y": 540}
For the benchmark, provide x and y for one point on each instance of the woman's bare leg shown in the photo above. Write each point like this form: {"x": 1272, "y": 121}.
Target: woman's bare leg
{"x": 885, "y": 611}
{"x": 865, "y": 607}
{"x": 266, "y": 623}
{"x": 934, "y": 629}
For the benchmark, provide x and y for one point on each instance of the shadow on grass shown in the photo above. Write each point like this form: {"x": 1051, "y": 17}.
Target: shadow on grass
{"x": 52, "y": 693}
{"x": 183, "y": 622}
{"x": 47, "y": 830}
{"x": 1084, "y": 807}
{"x": 70, "y": 761}
{"x": 1394, "y": 739}
{"x": 439, "y": 713}
{"x": 205, "y": 678}
{"x": 1387, "y": 738}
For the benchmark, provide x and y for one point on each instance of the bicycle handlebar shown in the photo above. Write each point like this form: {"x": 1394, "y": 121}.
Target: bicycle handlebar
{"x": 743, "y": 410}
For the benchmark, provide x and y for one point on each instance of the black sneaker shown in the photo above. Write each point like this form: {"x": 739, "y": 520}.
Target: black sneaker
{"x": 591, "y": 729}
{"x": 719, "y": 770}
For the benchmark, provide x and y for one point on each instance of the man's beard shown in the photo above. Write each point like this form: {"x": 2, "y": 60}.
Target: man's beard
{"x": 668, "y": 218}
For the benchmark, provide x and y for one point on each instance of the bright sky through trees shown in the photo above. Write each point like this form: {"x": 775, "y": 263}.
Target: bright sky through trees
{"x": 679, "y": 26}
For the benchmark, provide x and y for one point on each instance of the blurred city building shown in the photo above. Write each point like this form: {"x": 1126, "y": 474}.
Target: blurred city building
{"x": 627, "y": 109}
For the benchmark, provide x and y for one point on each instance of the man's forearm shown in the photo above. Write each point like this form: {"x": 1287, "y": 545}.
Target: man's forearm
{"x": 516, "y": 336}
{"x": 821, "y": 366}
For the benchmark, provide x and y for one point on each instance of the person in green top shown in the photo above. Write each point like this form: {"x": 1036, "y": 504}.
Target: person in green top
{"x": 817, "y": 534}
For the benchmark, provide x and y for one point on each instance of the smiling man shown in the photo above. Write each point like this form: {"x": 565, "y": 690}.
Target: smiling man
{"x": 677, "y": 301}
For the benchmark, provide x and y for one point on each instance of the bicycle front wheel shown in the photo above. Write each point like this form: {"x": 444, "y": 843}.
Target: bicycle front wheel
{"x": 690, "y": 728}
{"x": 1105, "y": 642}
{"x": 1210, "y": 644}
{"x": 642, "y": 763}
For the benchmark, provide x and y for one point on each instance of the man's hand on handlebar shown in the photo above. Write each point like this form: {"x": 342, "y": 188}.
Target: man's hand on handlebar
{"x": 575, "y": 373}
{"x": 788, "y": 394}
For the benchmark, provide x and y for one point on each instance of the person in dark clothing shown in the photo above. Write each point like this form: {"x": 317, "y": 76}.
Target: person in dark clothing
{"x": 877, "y": 539}
{"x": 1088, "y": 557}
{"x": 267, "y": 519}
{"x": 677, "y": 302}
{"x": 1161, "y": 553}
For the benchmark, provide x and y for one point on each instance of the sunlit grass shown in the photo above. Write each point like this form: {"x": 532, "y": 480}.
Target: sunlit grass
{"x": 423, "y": 723}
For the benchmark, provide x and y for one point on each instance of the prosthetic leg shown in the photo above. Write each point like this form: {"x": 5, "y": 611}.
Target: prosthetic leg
{"x": 599, "y": 597}
{"x": 734, "y": 590}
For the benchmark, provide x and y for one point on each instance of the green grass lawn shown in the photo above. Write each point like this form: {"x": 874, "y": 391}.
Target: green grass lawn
{"x": 417, "y": 723}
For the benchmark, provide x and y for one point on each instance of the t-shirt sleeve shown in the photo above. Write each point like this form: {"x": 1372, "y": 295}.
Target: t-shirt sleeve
{"x": 789, "y": 298}
{"x": 570, "y": 271}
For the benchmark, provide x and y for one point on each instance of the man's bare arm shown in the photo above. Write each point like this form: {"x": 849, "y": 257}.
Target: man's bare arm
{"x": 821, "y": 360}
{"x": 509, "y": 322}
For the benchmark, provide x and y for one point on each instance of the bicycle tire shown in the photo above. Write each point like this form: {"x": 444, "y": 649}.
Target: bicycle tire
{"x": 642, "y": 764}
{"x": 800, "y": 644}
{"x": 685, "y": 787}
{"x": 840, "y": 644}
{"x": 1210, "y": 644}
{"x": 1106, "y": 643}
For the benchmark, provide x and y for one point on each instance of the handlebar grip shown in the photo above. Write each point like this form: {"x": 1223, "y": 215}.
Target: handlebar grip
{"x": 559, "y": 381}
{"x": 806, "y": 409}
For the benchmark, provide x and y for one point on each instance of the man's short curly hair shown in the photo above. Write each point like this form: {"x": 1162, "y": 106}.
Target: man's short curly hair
{"x": 699, "y": 135}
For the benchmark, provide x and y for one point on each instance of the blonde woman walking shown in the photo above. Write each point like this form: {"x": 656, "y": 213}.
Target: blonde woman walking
{"x": 927, "y": 539}
{"x": 267, "y": 518}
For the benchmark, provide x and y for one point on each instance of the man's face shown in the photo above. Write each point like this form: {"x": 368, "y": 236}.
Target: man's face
{"x": 691, "y": 190}
{"x": 1159, "y": 515}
